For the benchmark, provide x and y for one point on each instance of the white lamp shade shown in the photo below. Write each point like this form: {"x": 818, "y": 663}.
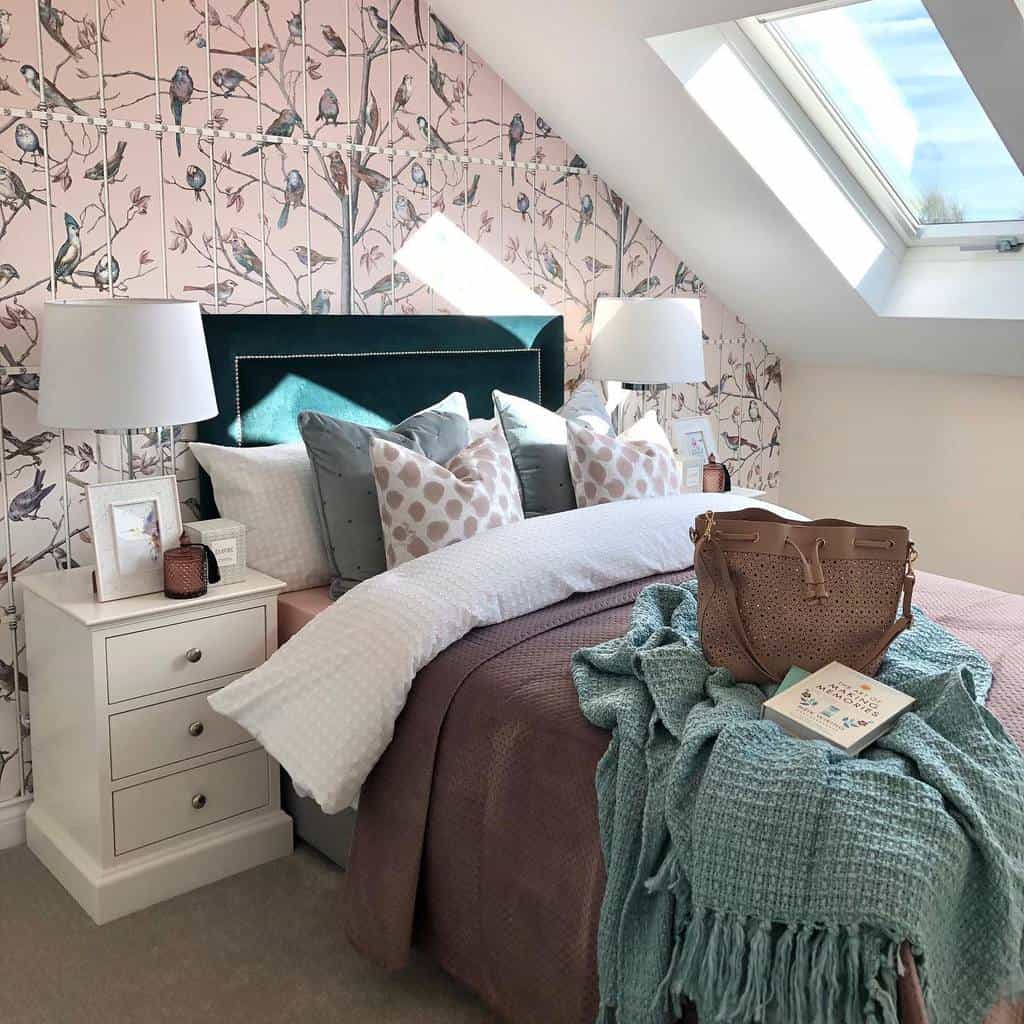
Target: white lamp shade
{"x": 647, "y": 341}
{"x": 118, "y": 364}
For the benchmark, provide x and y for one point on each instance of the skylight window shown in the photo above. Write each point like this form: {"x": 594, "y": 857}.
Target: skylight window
{"x": 884, "y": 73}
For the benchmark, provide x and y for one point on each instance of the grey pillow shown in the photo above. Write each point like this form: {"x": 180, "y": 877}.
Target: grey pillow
{"x": 536, "y": 438}
{"x": 339, "y": 452}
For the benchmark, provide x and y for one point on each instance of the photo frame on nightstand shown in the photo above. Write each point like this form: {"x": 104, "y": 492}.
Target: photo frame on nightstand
{"x": 694, "y": 441}
{"x": 132, "y": 523}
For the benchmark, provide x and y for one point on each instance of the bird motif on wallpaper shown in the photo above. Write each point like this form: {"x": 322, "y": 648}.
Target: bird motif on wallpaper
{"x": 543, "y": 128}
{"x": 8, "y": 273}
{"x": 371, "y": 115}
{"x": 52, "y": 96}
{"x": 586, "y": 214}
{"x": 311, "y": 258}
{"x": 749, "y": 379}
{"x": 523, "y": 204}
{"x": 228, "y": 80}
{"x": 434, "y": 141}
{"x": 338, "y": 172}
{"x": 773, "y": 373}
{"x": 243, "y": 255}
{"x": 113, "y": 165}
{"x": 385, "y": 29}
{"x": 551, "y": 264}
{"x": 418, "y": 176}
{"x": 28, "y": 142}
{"x": 195, "y": 178}
{"x": 577, "y": 163}
{"x": 26, "y": 505}
{"x": 335, "y": 44}
{"x": 406, "y": 213}
{"x": 104, "y": 276}
{"x": 516, "y": 131}
{"x": 437, "y": 83}
{"x": 5, "y": 28}
{"x": 321, "y": 304}
{"x": 13, "y": 192}
{"x": 402, "y": 94}
{"x": 468, "y": 197}
{"x": 294, "y": 191}
{"x": 686, "y": 280}
{"x": 376, "y": 182}
{"x": 266, "y": 53}
{"x": 328, "y": 108}
{"x": 221, "y": 291}
{"x": 69, "y": 255}
{"x": 180, "y": 91}
{"x": 31, "y": 448}
{"x": 52, "y": 21}
{"x": 445, "y": 36}
{"x": 595, "y": 266}
{"x": 384, "y": 285}
{"x": 281, "y": 127}
{"x": 643, "y": 286}
{"x": 7, "y": 683}
{"x": 295, "y": 25}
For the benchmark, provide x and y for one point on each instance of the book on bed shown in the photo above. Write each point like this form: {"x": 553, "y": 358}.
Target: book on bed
{"x": 836, "y": 704}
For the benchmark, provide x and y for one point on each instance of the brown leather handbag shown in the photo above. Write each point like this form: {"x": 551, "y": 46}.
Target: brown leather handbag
{"x": 773, "y": 592}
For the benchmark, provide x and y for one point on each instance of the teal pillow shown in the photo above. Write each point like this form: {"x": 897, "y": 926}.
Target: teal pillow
{"x": 536, "y": 438}
{"x": 339, "y": 452}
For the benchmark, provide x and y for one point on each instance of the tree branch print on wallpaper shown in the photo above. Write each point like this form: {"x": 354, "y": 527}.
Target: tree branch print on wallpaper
{"x": 128, "y": 166}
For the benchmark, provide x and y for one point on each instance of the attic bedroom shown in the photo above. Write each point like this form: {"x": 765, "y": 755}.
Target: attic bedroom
{"x": 512, "y": 512}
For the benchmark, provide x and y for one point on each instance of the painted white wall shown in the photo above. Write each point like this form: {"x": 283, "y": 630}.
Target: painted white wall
{"x": 939, "y": 453}
{"x": 588, "y": 65}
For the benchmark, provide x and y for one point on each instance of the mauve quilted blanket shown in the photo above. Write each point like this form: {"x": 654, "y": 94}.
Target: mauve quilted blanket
{"x": 477, "y": 835}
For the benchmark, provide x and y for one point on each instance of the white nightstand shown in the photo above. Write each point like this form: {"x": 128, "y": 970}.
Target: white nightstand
{"x": 748, "y": 492}
{"x": 142, "y": 791}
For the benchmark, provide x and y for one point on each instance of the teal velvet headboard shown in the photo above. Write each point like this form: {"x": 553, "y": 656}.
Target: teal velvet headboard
{"x": 376, "y": 370}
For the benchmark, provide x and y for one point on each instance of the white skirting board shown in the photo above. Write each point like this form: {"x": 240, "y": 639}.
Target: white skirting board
{"x": 12, "y": 823}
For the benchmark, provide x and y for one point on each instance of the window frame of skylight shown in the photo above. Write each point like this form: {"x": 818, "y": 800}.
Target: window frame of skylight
{"x": 816, "y": 104}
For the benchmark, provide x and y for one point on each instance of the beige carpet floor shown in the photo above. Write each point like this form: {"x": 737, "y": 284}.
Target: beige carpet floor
{"x": 266, "y": 945}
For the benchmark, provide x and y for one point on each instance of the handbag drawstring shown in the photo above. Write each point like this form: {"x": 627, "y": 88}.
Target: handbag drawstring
{"x": 814, "y": 576}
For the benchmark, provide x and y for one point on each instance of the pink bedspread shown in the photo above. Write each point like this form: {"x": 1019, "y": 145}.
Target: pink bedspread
{"x": 297, "y": 607}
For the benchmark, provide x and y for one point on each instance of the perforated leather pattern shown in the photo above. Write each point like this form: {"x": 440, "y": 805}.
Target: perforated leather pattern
{"x": 784, "y": 628}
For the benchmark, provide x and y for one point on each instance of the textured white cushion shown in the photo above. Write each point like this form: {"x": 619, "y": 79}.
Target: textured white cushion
{"x": 271, "y": 490}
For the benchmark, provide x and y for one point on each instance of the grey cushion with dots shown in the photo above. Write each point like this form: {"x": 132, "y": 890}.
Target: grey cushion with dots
{"x": 339, "y": 452}
{"x": 536, "y": 438}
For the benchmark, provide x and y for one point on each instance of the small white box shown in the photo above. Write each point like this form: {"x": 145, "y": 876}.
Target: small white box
{"x": 226, "y": 539}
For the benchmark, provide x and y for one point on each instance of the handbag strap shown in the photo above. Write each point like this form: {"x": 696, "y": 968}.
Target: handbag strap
{"x": 710, "y": 553}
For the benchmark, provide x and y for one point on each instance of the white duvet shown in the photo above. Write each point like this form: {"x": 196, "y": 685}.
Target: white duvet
{"x": 325, "y": 704}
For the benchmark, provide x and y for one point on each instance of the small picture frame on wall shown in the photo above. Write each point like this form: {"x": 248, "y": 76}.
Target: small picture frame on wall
{"x": 694, "y": 441}
{"x": 132, "y": 522}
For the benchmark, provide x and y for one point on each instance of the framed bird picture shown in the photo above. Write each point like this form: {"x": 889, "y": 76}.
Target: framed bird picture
{"x": 132, "y": 522}
{"x": 694, "y": 441}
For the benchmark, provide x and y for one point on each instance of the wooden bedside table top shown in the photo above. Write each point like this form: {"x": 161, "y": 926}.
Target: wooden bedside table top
{"x": 71, "y": 591}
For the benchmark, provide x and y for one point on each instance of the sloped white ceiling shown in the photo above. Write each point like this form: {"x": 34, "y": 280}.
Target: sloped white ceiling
{"x": 588, "y": 64}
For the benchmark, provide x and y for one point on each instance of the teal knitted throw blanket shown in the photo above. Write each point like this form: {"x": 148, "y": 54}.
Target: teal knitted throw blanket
{"x": 772, "y": 879}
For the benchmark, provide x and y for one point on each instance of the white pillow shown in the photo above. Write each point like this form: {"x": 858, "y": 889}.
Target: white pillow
{"x": 271, "y": 490}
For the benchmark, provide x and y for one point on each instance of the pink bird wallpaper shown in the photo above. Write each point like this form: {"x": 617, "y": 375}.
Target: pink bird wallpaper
{"x": 277, "y": 155}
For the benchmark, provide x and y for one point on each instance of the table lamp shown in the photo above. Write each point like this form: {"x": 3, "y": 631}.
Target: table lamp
{"x": 124, "y": 366}
{"x": 647, "y": 344}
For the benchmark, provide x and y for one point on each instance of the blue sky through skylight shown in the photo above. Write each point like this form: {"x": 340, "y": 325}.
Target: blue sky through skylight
{"x": 888, "y": 72}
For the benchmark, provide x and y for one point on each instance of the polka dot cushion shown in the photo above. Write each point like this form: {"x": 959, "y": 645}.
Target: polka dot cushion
{"x": 607, "y": 469}
{"x": 425, "y": 506}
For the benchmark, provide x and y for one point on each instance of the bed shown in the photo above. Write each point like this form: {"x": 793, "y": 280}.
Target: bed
{"x": 477, "y": 836}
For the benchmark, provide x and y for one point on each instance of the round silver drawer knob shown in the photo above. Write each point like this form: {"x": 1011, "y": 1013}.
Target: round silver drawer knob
{"x": 199, "y": 801}
{"x": 195, "y": 729}
{"x": 193, "y": 654}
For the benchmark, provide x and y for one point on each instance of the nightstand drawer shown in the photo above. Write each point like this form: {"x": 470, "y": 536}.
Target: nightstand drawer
{"x": 165, "y": 657}
{"x": 171, "y": 731}
{"x": 188, "y": 800}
